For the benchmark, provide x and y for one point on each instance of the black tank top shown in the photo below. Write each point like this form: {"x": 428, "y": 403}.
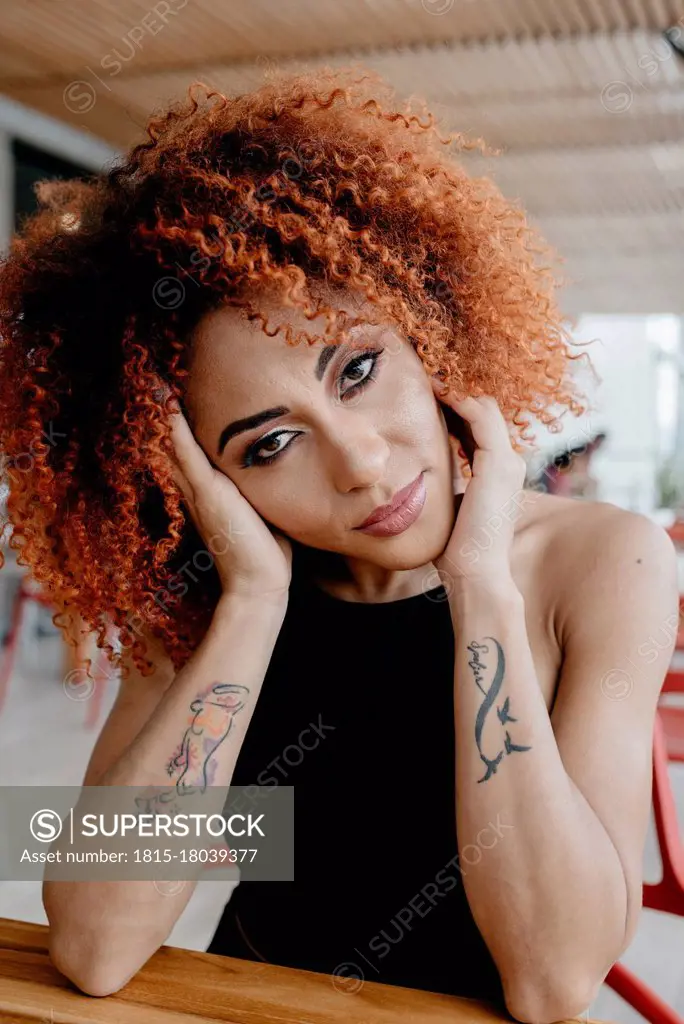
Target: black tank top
{"x": 356, "y": 712}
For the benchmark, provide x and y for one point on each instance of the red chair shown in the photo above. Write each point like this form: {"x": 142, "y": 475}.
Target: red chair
{"x": 676, "y": 534}
{"x": 644, "y": 1000}
{"x": 672, "y": 717}
{"x": 674, "y": 681}
{"x": 26, "y": 592}
{"x": 667, "y": 895}
{"x": 679, "y": 645}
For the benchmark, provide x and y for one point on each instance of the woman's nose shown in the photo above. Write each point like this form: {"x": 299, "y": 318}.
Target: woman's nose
{"x": 358, "y": 458}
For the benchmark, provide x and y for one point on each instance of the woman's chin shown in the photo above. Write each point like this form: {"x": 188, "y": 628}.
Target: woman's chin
{"x": 411, "y": 549}
{"x": 422, "y": 542}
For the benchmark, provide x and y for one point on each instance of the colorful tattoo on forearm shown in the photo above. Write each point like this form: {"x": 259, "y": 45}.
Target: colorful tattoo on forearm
{"x": 480, "y": 671}
{"x": 213, "y": 719}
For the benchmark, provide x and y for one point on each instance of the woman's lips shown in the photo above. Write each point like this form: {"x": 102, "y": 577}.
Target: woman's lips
{"x": 400, "y": 518}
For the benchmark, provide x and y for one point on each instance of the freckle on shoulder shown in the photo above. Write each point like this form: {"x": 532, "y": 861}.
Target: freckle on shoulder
{"x": 598, "y": 532}
{"x": 567, "y": 531}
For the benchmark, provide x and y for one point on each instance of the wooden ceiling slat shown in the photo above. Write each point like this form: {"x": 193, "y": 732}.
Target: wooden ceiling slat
{"x": 234, "y": 31}
{"x": 583, "y": 97}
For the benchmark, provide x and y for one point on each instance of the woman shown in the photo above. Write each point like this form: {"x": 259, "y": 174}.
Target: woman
{"x": 276, "y": 370}
{"x": 569, "y": 471}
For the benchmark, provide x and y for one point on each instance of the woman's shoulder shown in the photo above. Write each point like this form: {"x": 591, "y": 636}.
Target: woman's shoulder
{"x": 575, "y": 525}
{"x": 547, "y": 516}
{"x": 569, "y": 542}
{"x": 582, "y": 563}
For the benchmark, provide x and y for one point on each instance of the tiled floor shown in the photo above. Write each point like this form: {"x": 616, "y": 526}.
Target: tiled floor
{"x": 42, "y": 736}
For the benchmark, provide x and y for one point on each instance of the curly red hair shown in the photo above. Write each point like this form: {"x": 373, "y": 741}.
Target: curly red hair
{"x": 316, "y": 179}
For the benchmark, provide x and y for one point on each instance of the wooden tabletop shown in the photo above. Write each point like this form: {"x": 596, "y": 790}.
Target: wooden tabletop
{"x": 182, "y": 986}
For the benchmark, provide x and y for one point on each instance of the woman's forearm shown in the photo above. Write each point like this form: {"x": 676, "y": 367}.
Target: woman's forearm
{"x": 235, "y": 651}
{"x": 549, "y": 894}
{"x": 102, "y": 932}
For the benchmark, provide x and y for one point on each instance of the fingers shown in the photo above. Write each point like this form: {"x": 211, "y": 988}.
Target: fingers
{"x": 484, "y": 416}
{"x": 185, "y": 447}
{"x": 191, "y": 470}
{"x": 162, "y": 390}
{"x": 486, "y": 422}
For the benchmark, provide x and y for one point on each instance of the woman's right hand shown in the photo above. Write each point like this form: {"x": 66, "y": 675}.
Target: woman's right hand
{"x": 251, "y": 559}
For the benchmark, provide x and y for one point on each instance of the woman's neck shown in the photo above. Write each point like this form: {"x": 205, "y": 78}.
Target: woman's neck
{"x": 356, "y": 580}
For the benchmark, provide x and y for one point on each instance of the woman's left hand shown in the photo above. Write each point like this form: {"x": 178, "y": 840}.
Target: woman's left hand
{"x": 480, "y": 544}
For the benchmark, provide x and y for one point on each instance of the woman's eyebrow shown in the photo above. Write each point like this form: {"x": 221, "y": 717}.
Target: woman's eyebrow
{"x": 249, "y": 423}
{"x": 324, "y": 358}
{"x": 256, "y": 420}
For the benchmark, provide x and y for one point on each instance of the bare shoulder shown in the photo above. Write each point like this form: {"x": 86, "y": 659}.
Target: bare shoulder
{"x": 571, "y": 527}
{"x": 580, "y": 551}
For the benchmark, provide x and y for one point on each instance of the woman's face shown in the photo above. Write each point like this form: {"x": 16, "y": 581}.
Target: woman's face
{"x": 316, "y": 437}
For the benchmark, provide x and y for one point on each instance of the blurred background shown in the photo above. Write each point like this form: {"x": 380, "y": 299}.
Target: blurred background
{"x": 585, "y": 100}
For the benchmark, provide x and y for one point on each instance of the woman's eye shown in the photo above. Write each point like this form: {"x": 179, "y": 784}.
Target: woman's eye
{"x": 361, "y": 370}
{"x": 270, "y": 445}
